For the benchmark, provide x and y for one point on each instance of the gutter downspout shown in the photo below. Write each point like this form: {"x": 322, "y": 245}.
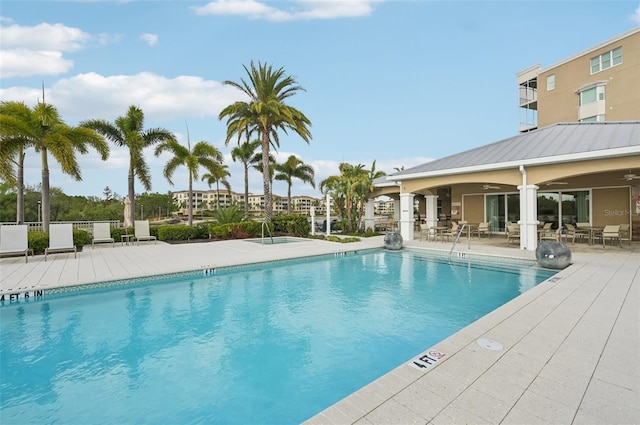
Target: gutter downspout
{"x": 524, "y": 242}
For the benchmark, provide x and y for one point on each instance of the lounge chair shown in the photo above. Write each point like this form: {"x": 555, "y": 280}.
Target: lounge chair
{"x": 141, "y": 230}
{"x": 14, "y": 240}
{"x": 102, "y": 233}
{"x": 611, "y": 231}
{"x": 60, "y": 240}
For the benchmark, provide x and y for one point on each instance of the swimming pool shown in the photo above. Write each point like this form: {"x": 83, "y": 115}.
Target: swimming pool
{"x": 272, "y": 343}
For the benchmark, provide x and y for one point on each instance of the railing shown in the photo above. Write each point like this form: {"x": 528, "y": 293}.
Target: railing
{"x": 265, "y": 224}
{"x": 82, "y": 225}
{"x": 462, "y": 227}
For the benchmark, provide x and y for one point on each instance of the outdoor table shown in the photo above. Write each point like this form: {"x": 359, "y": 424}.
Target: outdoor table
{"x": 126, "y": 239}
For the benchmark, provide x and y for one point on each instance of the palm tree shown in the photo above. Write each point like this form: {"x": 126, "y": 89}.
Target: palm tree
{"x": 203, "y": 154}
{"x": 265, "y": 114}
{"x": 292, "y": 168}
{"x": 43, "y": 129}
{"x": 346, "y": 190}
{"x": 128, "y": 131}
{"x": 12, "y": 149}
{"x": 218, "y": 175}
{"x": 244, "y": 153}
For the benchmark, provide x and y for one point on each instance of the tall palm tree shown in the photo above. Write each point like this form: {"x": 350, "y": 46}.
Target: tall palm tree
{"x": 43, "y": 129}
{"x": 128, "y": 131}
{"x": 346, "y": 190}
{"x": 244, "y": 153}
{"x": 203, "y": 154}
{"x": 218, "y": 175}
{"x": 13, "y": 115}
{"x": 292, "y": 168}
{"x": 265, "y": 113}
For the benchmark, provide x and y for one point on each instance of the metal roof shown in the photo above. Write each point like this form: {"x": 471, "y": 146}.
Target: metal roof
{"x": 562, "y": 142}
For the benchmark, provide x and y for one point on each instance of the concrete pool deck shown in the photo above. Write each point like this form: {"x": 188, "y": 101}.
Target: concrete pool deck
{"x": 570, "y": 346}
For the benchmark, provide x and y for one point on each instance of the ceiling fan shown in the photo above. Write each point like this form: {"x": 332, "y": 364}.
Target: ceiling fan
{"x": 555, "y": 183}
{"x": 489, "y": 186}
{"x": 631, "y": 176}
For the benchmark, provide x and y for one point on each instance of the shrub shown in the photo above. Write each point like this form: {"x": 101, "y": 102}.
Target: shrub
{"x": 38, "y": 241}
{"x": 176, "y": 233}
{"x": 81, "y": 237}
{"x": 228, "y": 215}
{"x": 296, "y": 225}
{"x": 117, "y": 232}
{"x": 244, "y": 229}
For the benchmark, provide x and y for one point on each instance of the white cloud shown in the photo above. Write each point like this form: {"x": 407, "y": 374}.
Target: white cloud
{"x": 25, "y": 63}
{"x": 108, "y": 97}
{"x": 39, "y": 49}
{"x": 150, "y": 39}
{"x": 55, "y": 37}
{"x": 299, "y": 9}
{"x": 636, "y": 16}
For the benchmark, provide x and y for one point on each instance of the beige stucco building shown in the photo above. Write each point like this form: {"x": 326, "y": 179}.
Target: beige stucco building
{"x": 577, "y": 160}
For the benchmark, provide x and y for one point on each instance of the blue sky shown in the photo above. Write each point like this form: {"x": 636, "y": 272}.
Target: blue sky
{"x": 398, "y": 82}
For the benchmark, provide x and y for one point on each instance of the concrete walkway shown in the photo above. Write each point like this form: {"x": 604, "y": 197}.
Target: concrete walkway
{"x": 565, "y": 352}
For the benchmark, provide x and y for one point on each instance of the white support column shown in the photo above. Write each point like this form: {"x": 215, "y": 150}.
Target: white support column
{"x": 406, "y": 216}
{"x": 432, "y": 210}
{"x": 528, "y": 217}
{"x": 369, "y": 218}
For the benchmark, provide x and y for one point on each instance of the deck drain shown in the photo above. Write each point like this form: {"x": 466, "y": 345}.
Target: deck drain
{"x": 490, "y": 344}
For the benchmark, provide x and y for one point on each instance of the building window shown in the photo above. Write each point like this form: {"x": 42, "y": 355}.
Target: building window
{"x": 595, "y": 118}
{"x": 591, "y": 95}
{"x": 606, "y": 60}
{"x": 551, "y": 82}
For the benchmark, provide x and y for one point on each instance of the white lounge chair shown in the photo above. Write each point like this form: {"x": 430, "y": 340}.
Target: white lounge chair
{"x": 14, "y": 240}
{"x": 102, "y": 233}
{"x": 141, "y": 230}
{"x": 60, "y": 240}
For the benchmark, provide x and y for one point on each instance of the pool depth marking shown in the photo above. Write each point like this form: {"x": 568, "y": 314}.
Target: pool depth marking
{"x": 427, "y": 359}
{"x": 22, "y": 296}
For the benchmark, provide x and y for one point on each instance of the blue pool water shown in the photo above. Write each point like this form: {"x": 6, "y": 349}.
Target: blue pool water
{"x": 269, "y": 344}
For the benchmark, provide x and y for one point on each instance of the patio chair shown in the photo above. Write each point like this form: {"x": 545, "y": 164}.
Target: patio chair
{"x": 451, "y": 233}
{"x": 428, "y": 232}
{"x": 553, "y": 235}
{"x": 142, "y": 233}
{"x": 60, "y": 240}
{"x": 102, "y": 233}
{"x": 611, "y": 231}
{"x": 625, "y": 233}
{"x": 14, "y": 240}
{"x": 483, "y": 229}
{"x": 513, "y": 232}
{"x": 573, "y": 233}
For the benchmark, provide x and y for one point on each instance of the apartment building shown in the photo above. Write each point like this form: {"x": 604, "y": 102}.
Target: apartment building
{"x": 599, "y": 84}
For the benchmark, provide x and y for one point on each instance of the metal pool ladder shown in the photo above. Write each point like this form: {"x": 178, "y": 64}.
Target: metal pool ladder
{"x": 264, "y": 224}
{"x": 462, "y": 227}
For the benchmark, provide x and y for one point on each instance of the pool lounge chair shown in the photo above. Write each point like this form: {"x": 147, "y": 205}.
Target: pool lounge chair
{"x": 60, "y": 240}
{"x": 14, "y": 240}
{"x": 102, "y": 233}
{"x": 142, "y": 233}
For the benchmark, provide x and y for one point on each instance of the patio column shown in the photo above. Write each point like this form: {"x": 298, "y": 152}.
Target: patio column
{"x": 432, "y": 210}
{"x": 406, "y": 216}
{"x": 369, "y": 218}
{"x": 528, "y": 217}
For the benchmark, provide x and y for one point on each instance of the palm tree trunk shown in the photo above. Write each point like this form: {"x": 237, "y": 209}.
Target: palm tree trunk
{"x": 217, "y": 195}
{"x": 132, "y": 195}
{"x": 190, "y": 199}
{"x": 44, "y": 190}
{"x": 20, "y": 184}
{"x": 246, "y": 191}
{"x": 268, "y": 205}
{"x": 289, "y": 200}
